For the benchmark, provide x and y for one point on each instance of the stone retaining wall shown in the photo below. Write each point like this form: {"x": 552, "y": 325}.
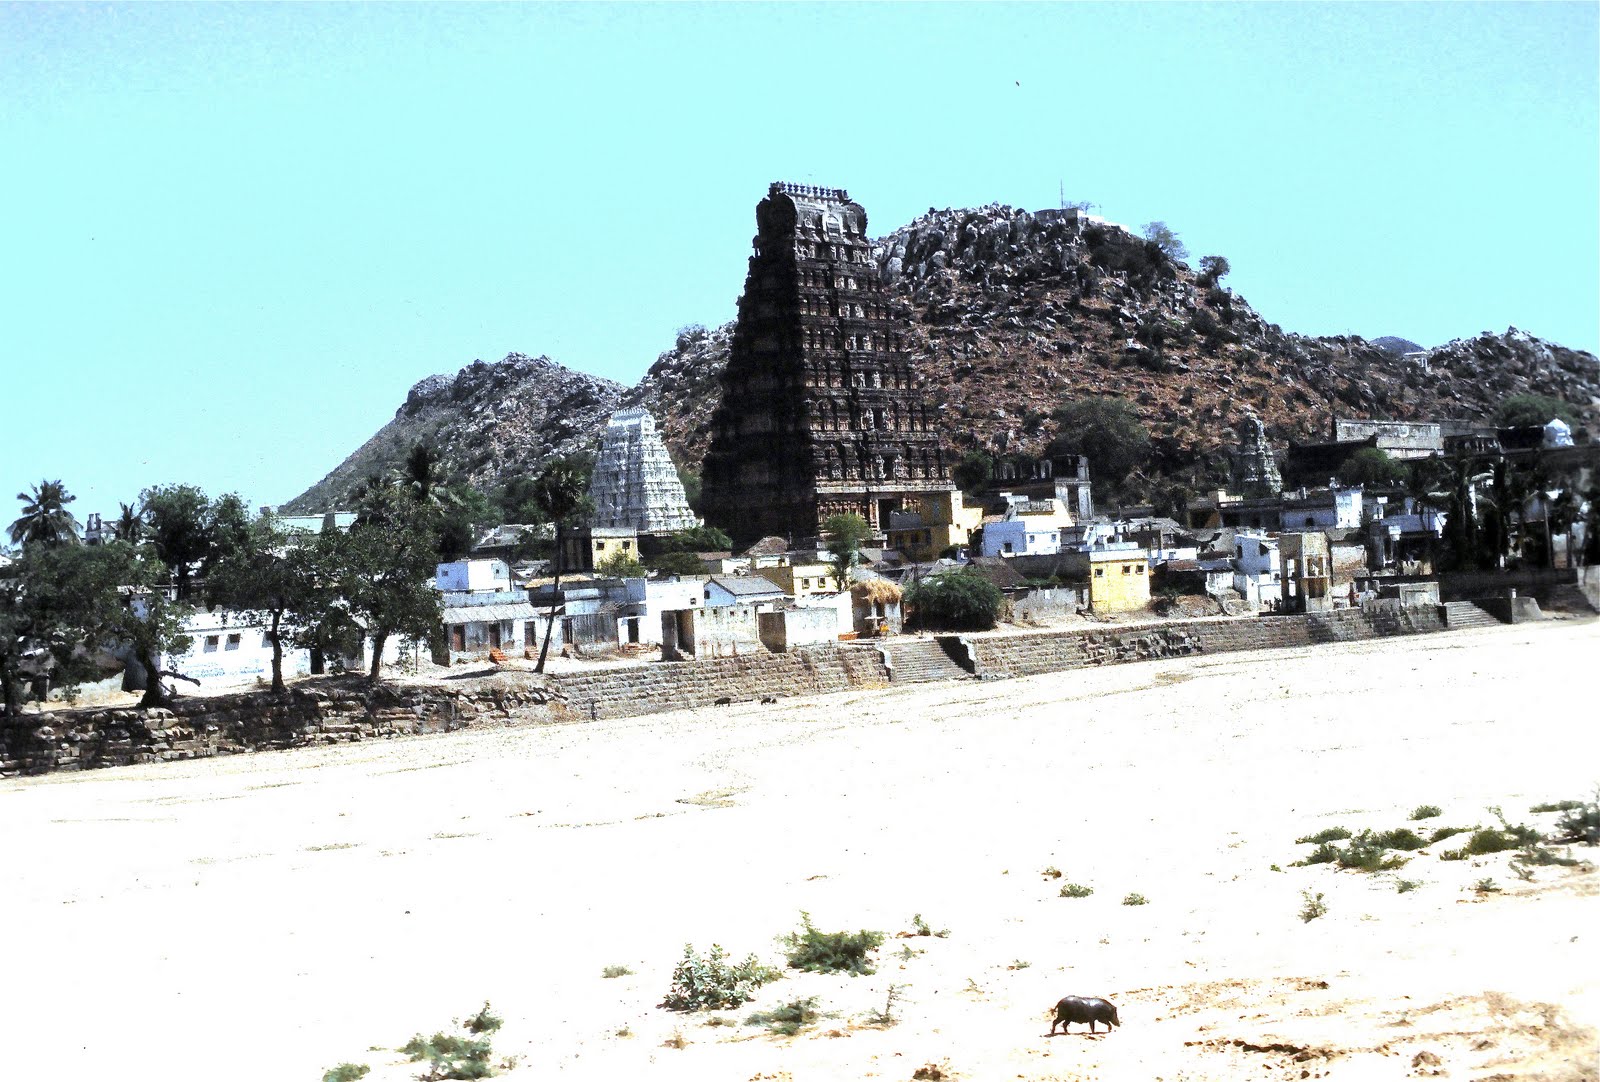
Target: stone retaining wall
{"x": 197, "y": 728}
{"x": 653, "y": 689}
{"x": 220, "y": 725}
{"x": 1028, "y": 655}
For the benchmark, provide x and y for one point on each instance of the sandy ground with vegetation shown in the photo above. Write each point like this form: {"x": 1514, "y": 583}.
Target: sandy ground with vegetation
{"x": 266, "y": 917}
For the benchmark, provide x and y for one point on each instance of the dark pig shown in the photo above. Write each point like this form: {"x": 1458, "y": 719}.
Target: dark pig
{"x": 1084, "y": 1009}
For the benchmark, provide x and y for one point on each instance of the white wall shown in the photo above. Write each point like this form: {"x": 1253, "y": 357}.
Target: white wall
{"x": 227, "y": 651}
{"x": 473, "y": 575}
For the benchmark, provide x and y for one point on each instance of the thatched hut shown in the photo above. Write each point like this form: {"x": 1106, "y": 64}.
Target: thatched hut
{"x": 875, "y": 604}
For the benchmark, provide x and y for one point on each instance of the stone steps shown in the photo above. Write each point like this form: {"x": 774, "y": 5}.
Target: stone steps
{"x": 920, "y": 661}
{"x": 1461, "y": 615}
{"x": 1568, "y": 598}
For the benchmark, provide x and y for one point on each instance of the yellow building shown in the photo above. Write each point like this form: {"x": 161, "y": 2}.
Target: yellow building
{"x": 1119, "y": 578}
{"x": 585, "y": 549}
{"x": 801, "y": 580}
{"x": 930, "y": 524}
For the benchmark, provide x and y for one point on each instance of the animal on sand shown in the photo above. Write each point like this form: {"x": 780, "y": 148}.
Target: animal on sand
{"x": 1085, "y": 1009}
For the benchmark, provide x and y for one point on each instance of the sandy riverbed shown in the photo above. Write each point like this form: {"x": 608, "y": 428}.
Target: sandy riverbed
{"x": 268, "y": 916}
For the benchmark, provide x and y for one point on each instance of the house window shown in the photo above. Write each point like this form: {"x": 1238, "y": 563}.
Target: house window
{"x": 233, "y": 642}
{"x": 598, "y": 545}
{"x": 1099, "y": 572}
{"x": 1138, "y": 569}
{"x": 1127, "y": 569}
{"x": 211, "y": 643}
{"x": 626, "y": 544}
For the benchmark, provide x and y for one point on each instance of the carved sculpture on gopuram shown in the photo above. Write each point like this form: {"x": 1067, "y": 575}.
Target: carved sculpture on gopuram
{"x": 1255, "y": 470}
{"x": 634, "y": 484}
{"x": 819, "y": 411}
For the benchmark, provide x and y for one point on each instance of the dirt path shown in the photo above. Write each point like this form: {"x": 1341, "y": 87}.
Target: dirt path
{"x": 268, "y": 916}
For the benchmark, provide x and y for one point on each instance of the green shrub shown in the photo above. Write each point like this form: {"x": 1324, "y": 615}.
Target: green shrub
{"x": 885, "y": 1017}
{"x": 347, "y": 1072}
{"x": 1486, "y": 886}
{"x": 1330, "y": 834}
{"x": 1406, "y": 886}
{"x": 1426, "y": 811}
{"x": 955, "y": 601}
{"x": 788, "y": 1018}
{"x": 921, "y": 927}
{"x": 830, "y": 952}
{"x": 452, "y": 1056}
{"x": 714, "y": 983}
{"x": 1135, "y": 899}
{"x": 1403, "y": 838}
{"x": 616, "y": 971}
{"x": 1075, "y": 890}
{"x": 1580, "y": 823}
{"x": 1325, "y": 853}
{"x": 1366, "y": 853}
{"x": 1313, "y": 908}
{"x": 1442, "y": 833}
{"x": 1555, "y": 806}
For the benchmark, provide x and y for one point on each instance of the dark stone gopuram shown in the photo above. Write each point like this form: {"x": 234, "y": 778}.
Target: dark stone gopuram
{"x": 819, "y": 412}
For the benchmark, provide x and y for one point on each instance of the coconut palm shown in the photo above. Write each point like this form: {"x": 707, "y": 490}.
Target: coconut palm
{"x": 45, "y": 518}
{"x": 130, "y": 525}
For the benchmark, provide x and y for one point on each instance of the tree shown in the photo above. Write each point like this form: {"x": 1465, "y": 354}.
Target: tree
{"x": 697, "y": 539}
{"x": 559, "y": 492}
{"x": 1162, "y": 237}
{"x": 1213, "y": 268}
{"x": 1105, "y": 430}
{"x": 973, "y": 471}
{"x": 676, "y": 563}
{"x": 1372, "y": 466}
{"x": 845, "y": 534}
{"x": 45, "y": 519}
{"x": 177, "y": 521}
{"x": 1460, "y": 519}
{"x": 961, "y": 600}
{"x": 130, "y": 525}
{"x": 1526, "y": 410}
{"x": 272, "y": 583}
{"x": 620, "y": 565}
{"x": 385, "y": 572}
{"x": 56, "y": 602}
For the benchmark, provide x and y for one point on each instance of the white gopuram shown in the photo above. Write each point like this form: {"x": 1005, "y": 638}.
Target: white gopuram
{"x": 635, "y": 485}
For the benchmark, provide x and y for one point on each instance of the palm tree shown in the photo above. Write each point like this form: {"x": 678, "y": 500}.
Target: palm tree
{"x": 45, "y": 517}
{"x": 559, "y": 494}
{"x": 130, "y": 525}
{"x": 421, "y": 477}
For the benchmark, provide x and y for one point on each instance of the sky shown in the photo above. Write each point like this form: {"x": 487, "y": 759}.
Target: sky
{"x": 235, "y": 236}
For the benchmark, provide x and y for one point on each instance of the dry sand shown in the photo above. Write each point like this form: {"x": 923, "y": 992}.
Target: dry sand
{"x": 269, "y": 916}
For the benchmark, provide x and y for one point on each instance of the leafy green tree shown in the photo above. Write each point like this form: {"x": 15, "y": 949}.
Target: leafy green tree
{"x": 385, "y": 576}
{"x": 559, "y": 492}
{"x": 960, "y": 600}
{"x": 1162, "y": 237}
{"x": 620, "y": 565}
{"x": 844, "y": 536}
{"x": 692, "y": 486}
{"x": 697, "y": 539}
{"x": 676, "y": 563}
{"x": 57, "y": 604}
{"x": 1213, "y": 268}
{"x": 273, "y": 583}
{"x": 1461, "y": 535}
{"x": 177, "y": 522}
{"x": 1105, "y": 430}
{"x": 1372, "y": 466}
{"x": 45, "y": 519}
{"x": 973, "y": 471}
{"x": 1525, "y": 410}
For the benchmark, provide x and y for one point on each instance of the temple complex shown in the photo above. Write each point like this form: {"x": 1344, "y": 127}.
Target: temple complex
{"x": 819, "y": 415}
{"x": 635, "y": 485}
{"x": 1255, "y": 472}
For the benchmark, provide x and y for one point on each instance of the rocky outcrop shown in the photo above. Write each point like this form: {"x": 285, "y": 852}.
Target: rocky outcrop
{"x": 1013, "y": 313}
{"x": 489, "y": 422}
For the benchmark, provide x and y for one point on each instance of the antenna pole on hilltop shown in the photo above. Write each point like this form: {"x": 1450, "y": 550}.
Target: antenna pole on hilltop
{"x": 1062, "y": 186}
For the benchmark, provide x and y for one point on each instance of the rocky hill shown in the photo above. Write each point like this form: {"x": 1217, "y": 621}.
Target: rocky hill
{"x": 489, "y": 422}
{"x": 1014, "y": 313}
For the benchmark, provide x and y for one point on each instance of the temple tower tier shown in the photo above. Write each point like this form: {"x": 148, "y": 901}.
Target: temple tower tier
{"x": 635, "y": 485}
{"x": 819, "y": 411}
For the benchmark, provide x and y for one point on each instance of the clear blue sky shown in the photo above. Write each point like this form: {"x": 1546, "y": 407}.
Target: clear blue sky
{"x": 234, "y": 236}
